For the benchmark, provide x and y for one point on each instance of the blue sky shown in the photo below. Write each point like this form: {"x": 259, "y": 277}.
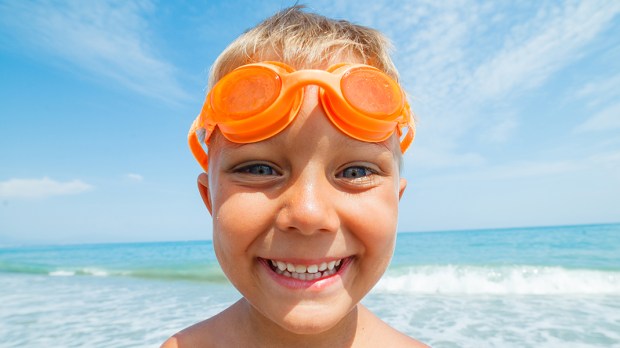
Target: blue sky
{"x": 518, "y": 106}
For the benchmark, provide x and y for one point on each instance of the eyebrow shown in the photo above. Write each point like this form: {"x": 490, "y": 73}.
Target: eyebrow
{"x": 344, "y": 141}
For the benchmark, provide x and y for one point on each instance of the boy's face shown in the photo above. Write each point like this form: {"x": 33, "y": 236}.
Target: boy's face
{"x": 306, "y": 197}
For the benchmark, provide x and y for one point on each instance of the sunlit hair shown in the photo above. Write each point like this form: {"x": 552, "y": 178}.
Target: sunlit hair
{"x": 305, "y": 40}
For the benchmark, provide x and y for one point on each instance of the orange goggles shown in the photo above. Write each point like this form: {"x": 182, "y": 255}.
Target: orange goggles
{"x": 257, "y": 101}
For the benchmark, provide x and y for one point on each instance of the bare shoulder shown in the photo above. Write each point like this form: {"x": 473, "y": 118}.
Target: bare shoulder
{"x": 213, "y": 332}
{"x": 380, "y": 334}
{"x": 171, "y": 342}
{"x": 401, "y": 340}
{"x": 197, "y": 335}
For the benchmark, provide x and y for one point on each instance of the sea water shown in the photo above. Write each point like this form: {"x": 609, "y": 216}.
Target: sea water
{"x": 529, "y": 287}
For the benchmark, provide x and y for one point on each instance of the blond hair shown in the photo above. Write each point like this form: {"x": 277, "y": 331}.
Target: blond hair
{"x": 304, "y": 40}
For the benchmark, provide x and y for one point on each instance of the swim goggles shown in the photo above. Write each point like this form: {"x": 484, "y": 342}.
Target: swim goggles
{"x": 256, "y": 101}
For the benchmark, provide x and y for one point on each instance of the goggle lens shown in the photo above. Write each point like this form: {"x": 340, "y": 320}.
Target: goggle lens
{"x": 245, "y": 92}
{"x": 371, "y": 93}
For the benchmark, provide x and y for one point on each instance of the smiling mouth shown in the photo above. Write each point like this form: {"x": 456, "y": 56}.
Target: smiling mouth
{"x": 306, "y": 272}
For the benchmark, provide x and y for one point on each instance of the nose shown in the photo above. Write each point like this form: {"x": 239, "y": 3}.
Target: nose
{"x": 309, "y": 205}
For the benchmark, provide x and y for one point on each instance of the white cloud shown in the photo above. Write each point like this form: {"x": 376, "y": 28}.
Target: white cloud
{"x": 537, "y": 49}
{"x": 135, "y": 177}
{"x": 510, "y": 171}
{"x": 607, "y": 159}
{"x": 501, "y": 131}
{"x": 606, "y": 120}
{"x": 106, "y": 39}
{"x": 434, "y": 158}
{"x": 465, "y": 60}
{"x": 600, "y": 91}
{"x": 529, "y": 169}
{"x": 40, "y": 188}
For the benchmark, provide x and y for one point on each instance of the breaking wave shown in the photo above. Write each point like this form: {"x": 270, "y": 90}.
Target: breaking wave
{"x": 537, "y": 280}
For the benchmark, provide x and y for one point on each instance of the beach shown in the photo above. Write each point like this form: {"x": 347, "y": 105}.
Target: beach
{"x": 524, "y": 287}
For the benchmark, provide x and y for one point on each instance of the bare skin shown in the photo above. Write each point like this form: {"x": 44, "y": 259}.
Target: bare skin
{"x": 302, "y": 203}
{"x": 231, "y": 328}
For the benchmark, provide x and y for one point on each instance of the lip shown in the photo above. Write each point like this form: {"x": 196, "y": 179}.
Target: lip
{"x": 312, "y": 285}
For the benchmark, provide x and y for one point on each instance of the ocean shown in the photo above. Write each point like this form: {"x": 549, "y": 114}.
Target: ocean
{"x": 526, "y": 287}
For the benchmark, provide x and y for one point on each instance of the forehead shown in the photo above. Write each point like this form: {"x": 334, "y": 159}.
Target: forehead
{"x": 220, "y": 146}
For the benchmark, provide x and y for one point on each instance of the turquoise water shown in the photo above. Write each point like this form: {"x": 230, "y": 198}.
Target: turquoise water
{"x": 543, "y": 287}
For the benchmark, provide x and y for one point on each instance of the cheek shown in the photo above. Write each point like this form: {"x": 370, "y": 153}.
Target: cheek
{"x": 374, "y": 224}
{"x": 239, "y": 220}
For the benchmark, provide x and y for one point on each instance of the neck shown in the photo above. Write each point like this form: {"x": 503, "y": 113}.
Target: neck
{"x": 263, "y": 332}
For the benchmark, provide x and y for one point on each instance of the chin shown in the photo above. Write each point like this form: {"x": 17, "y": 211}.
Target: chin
{"x": 304, "y": 322}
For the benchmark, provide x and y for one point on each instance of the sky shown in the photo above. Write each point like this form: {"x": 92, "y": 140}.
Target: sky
{"x": 518, "y": 109}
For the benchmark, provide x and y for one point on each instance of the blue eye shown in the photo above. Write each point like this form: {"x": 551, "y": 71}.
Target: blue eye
{"x": 356, "y": 172}
{"x": 258, "y": 169}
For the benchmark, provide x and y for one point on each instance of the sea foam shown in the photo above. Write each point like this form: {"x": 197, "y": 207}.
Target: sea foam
{"x": 84, "y": 271}
{"x": 537, "y": 280}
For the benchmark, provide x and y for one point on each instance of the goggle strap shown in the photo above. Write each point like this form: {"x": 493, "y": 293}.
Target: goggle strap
{"x": 197, "y": 150}
{"x": 404, "y": 144}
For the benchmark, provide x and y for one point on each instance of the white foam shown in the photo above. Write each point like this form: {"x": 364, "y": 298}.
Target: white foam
{"x": 95, "y": 272}
{"x": 499, "y": 280}
{"x": 62, "y": 273}
{"x": 85, "y": 271}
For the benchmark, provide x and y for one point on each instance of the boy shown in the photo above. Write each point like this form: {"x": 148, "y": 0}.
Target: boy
{"x": 303, "y": 126}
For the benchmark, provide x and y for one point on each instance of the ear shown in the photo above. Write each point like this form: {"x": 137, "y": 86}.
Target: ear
{"x": 203, "y": 188}
{"x": 402, "y": 186}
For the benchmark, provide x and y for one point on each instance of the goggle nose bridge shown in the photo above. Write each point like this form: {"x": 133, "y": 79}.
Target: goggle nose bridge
{"x": 294, "y": 81}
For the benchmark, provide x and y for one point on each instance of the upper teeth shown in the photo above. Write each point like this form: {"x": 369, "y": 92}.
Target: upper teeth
{"x": 287, "y": 266}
